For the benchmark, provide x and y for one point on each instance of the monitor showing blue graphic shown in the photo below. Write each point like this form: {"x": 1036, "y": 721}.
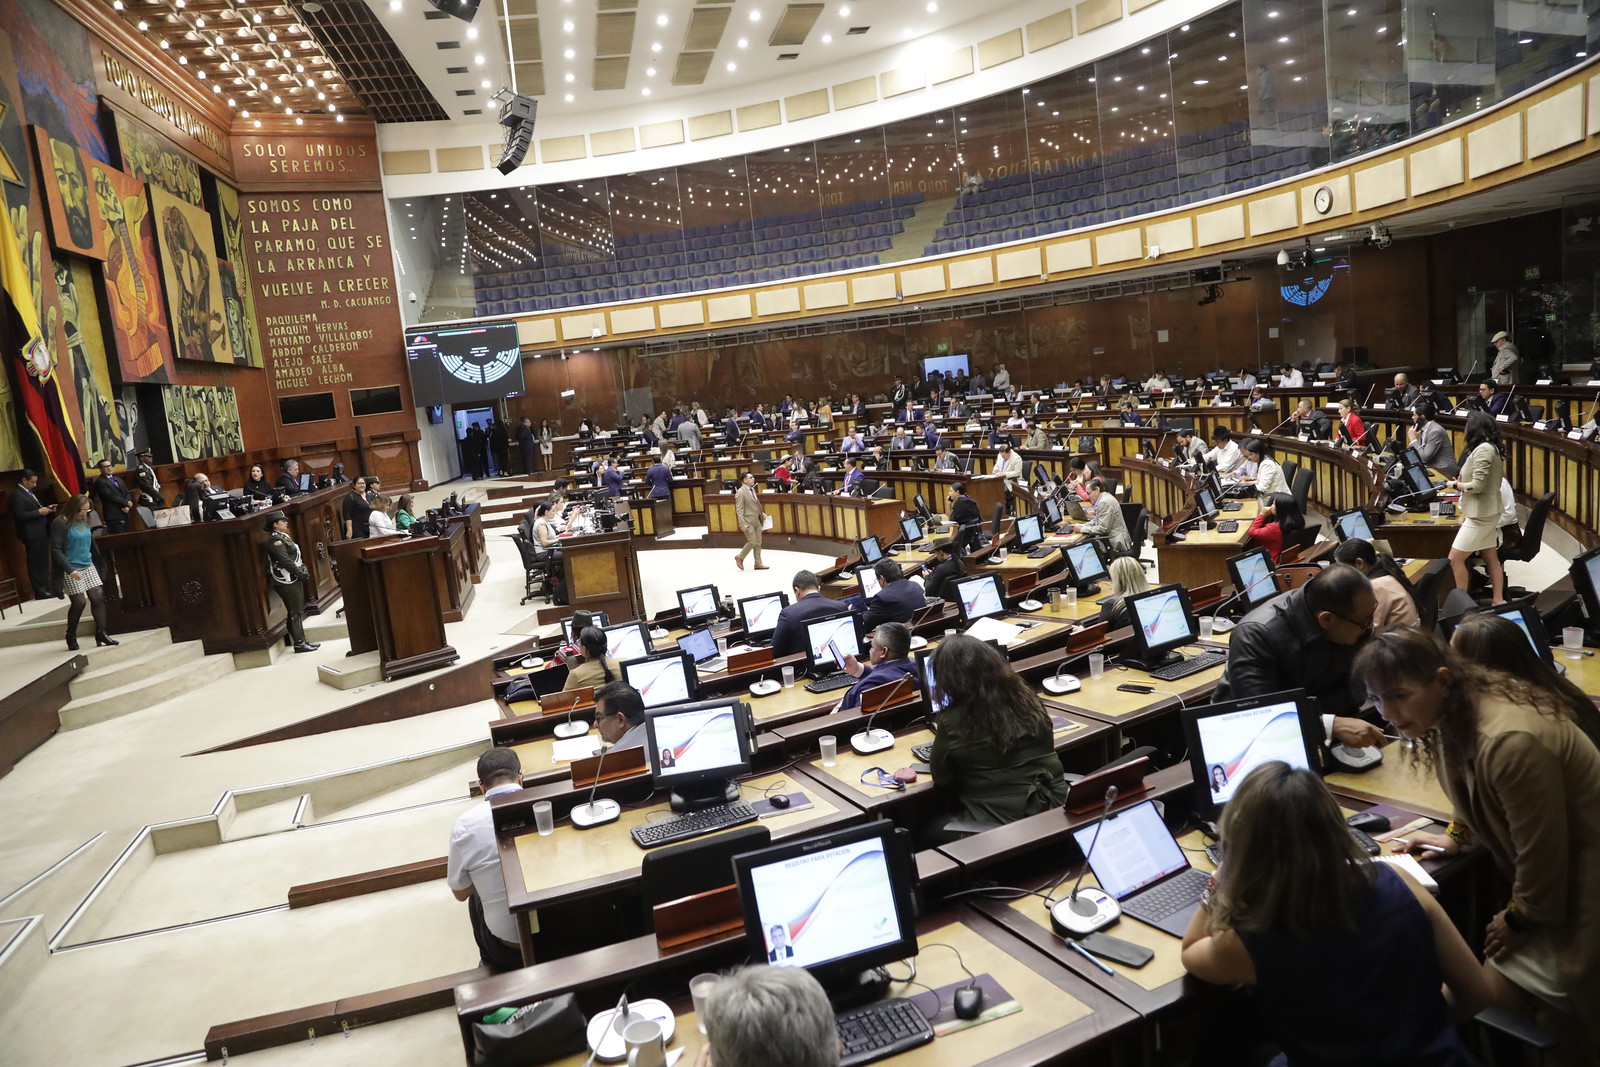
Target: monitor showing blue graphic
{"x": 705, "y": 740}
{"x": 700, "y": 644}
{"x": 760, "y": 614}
{"x": 698, "y": 603}
{"x": 910, "y": 529}
{"x": 1162, "y": 620}
{"x": 1030, "y": 531}
{"x": 871, "y": 551}
{"x": 836, "y": 904}
{"x": 1585, "y": 572}
{"x": 662, "y": 680}
{"x": 1052, "y": 511}
{"x": 869, "y": 581}
{"x": 1205, "y": 504}
{"x": 1253, "y": 580}
{"x": 1520, "y": 612}
{"x": 836, "y": 631}
{"x": 1085, "y": 563}
{"x": 628, "y": 640}
{"x": 1135, "y": 849}
{"x": 1229, "y": 740}
{"x": 1352, "y": 523}
{"x": 980, "y": 597}
{"x": 929, "y": 682}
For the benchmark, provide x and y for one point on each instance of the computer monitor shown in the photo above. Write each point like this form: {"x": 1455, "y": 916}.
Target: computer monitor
{"x": 1229, "y": 740}
{"x": 1052, "y": 512}
{"x": 924, "y": 659}
{"x": 701, "y": 602}
{"x": 695, "y": 750}
{"x": 1585, "y": 572}
{"x": 910, "y": 529}
{"x": 600, "y": 621}
{"x": 667, "y": 678}
{"x": 1411, "y": 457}
{"x": 1030, "y": 532}
{"x": 1419, "y": 486}
{"x": 1205, "y": 503}
{"x": 871, "y": 551}
{"x": 305, "y": 483}
{"x": 980, "y": 596}
{"x": 840, "y": 904}
{"x": 1163, "y": 621}
{"x": 701, "y": 645}
{"x": 869, "y": 581}
{"x": 628, "y": 640}
{"x": 1085, "y": 564}
{"x": 1352, "y": 523}
{"x": 760, "y": 614}
{"x": 1521, "y": 612}
{"x": 836, "y": 631}
{"x": 1252, "y": 577}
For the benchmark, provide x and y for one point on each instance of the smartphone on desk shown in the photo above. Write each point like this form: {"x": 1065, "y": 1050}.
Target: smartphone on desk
{"x": 1135, "y": 687}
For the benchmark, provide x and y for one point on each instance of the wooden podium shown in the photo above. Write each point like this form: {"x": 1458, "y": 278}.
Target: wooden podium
{"x": 395, "y": 601}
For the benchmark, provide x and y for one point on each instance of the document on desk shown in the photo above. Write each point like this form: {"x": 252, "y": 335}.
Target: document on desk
{"x": 995, "y": 630}
{"x": 567, "y": 749}
{"x": 1410, "y": 865}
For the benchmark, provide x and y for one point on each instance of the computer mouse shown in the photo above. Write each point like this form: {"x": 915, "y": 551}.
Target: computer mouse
{"x": 779, "y": 800}
{"x": 1368, "y": 822}
{"x": 969, "y": 1002}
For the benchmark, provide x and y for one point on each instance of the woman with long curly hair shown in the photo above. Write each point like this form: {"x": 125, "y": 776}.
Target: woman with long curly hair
{"x": 1524, "y": 782}
{"x": 994, "y": 748}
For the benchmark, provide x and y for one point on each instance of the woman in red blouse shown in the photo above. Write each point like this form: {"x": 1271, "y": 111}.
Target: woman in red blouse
{"x": 1351, "y": 423}
{"x": 1279, "y": 520}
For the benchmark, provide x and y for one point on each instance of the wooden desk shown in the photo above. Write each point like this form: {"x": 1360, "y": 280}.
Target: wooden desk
{"x": 1419, "y": 534}
{"x": 1202, "y": 558}
{"x": 1397, "y": 780}
{"x": 819, "y": 516}
{"x": 395, "y": 597}
{"x": 1099, "y": 698}
{"x": 602, "y": 572}
{"x": 207, "y": 581}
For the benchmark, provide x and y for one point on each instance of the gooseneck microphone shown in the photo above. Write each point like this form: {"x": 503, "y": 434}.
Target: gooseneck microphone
{"x": 596, "y": 812}
{"x": 1083, "y": 911}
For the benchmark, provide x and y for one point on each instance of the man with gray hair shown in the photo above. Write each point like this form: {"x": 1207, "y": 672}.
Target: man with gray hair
{"x": 764, "y": 1016}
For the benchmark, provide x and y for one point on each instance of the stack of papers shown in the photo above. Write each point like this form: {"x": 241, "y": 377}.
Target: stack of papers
{"x": 995, "y": 630}
{"x": 567, "y": 749}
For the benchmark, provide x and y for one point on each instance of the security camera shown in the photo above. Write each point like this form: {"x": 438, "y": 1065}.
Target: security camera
{"x": 1283, "y": 258}
{"x": 411, "y": 296}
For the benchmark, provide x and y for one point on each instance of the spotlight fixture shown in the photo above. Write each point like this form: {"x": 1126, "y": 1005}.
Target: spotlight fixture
{"x": 1378, "y": 236}
{"x": 1299, "y": 259}
{"x": 517, "y": 115}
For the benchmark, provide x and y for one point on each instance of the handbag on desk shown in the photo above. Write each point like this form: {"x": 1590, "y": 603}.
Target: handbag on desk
{"x": 537, "y": 1033}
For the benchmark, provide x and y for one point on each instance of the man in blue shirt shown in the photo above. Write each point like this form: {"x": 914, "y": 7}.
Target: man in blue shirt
{"x": 612, "y": 478}
{"x": 888, "y": 660}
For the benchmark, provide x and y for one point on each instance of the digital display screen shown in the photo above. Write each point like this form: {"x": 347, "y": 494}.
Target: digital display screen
{"x": 1354, "y": 524}
{"x": 1134, "y": 850}
{"x": 979, "y": 597}
{"x": 1418, "y": 479}
{"x": 660, "y": 681}
{"x": 869, "y": 581}
{"x": 699, "y": 602}
{"x": 627, "y": 642}
{"x": 826, "y": 905}
{"x": 1237, "y": 742}
{"x": 760, "y": 614}
{"x": 1085, "y": 562}
{"x": 699, "y": 644}
{"x": 1206, "y": 503}
{"x": 824, "y": 635}
{"x": 911, "y": 530}
{"x": 696, "y": 741}
{"x": 871, "y": 551}
{"x": 461, "y": 364}
{"x": 1163, "y": 621}
{"x": 928, "y": 684}
{"x": 1029, "y": 531}
{"x": 1254, "y": 579}
{"x": 1052, "y": 511}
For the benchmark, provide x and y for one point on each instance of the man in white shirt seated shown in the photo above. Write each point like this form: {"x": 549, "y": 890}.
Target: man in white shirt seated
{"x": 1158, "y": 381}
{"x": 472, "y": 868}
{"x": 1292, "y": 378}
{"x": 1223, "y": 452}
{"x": 1247, "y": 380}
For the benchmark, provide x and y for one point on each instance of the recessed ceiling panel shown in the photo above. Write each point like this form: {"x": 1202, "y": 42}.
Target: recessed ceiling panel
{"x": 692, "y": 67}
{"x": 705, "y": 29}
{"x": 794, "y": 25}
{"x": 525, "y": 44}
{"x": 611, "y": 73}
{"x": 613, "y": 33}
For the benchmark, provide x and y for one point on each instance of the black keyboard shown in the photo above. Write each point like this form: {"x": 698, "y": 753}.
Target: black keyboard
{"x": 1228, "y": 526}
{"x": 923, "y": 752}
{"x": 692, "y": 824}
{"x": 1231, "y": 505}
{"x": 830, "y": 683}
{"x": 1161, "y": 900}
{"x": 1041, "y": 552}
{"x": 880, "y": 1030}
{"x": 1193, "y": 665}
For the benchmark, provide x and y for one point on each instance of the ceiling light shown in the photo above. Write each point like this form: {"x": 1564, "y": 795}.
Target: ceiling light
{"x": 484, "y": 84}
{"x": 1283, "y": 40}
{"x": 655, "y": 46}
{"x": 827, "y": 38}
{"x": 478, "y": 59}
{"x": 932, "y": 7}
{"x": 570, "y": 53}
{"x": 650, "y": 72}
{"x": 569, "y": 98}
{"x": 569, "y": 77}
{"x": 567, "y": 25}
{"x": 394, "y": 5}
{"x": 744, "y": 42}
{"x": 661, "y": 20}
{"x": 844, "y": 12}
{"x": 645, "y": 91}
{"x": 755, "y": 16}
{"x": 732, "y": 67}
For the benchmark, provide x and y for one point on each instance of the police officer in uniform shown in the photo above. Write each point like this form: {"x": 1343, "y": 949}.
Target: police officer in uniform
{"x": 149, "y": 484}
{"x": 285, "y": 572}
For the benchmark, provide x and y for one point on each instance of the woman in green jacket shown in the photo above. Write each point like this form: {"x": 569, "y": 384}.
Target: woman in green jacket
{"x": 994, "y": 749}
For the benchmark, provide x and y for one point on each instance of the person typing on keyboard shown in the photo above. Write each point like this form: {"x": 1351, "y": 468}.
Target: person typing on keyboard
{"x": 1307, "y": 639}
{"x": 763, "y": 1016}
{"x": 888, "y": 659}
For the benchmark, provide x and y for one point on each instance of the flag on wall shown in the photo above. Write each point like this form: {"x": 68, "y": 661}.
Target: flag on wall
{"x": 36, "y": 380}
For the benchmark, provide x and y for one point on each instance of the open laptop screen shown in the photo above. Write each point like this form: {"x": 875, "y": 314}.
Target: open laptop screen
{"x": 1135, "y": 849}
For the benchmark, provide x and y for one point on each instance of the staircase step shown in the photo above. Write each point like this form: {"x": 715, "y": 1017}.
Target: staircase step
{"x": 145, "y": 693}
{"x": 102, "y": 677}
{"x": 272, "y": 818}
{"x": 36, "y": 633}
{"x": 326, "y": 627}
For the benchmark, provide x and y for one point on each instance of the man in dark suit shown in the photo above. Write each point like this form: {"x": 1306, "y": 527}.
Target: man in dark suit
{"x": 930, "y": 437}
{"x": 525, "y": 442}
{"x": 790, "y": 635}
{"x": 780, "y": 945}
{"x": 946, "y": 568}
{"x": 730, "y": 429}
{"x": 32, "y": 520}
{"x": 149, "y": 484}
{"x": 112, "y": 497}
{"x": 289, "y": 481}
{"x": 888, "y": 660}
{"x": 897, "y": 600}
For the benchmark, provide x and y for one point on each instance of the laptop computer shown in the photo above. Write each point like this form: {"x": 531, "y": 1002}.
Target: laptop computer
{"x": 1139, "y": 862}
{"x": 702, "y": 645}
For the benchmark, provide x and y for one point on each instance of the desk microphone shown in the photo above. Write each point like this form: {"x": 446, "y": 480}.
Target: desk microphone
{"x": 1407, "y": 496}
{"x": 570, "y": 727}
{"x": 1057, "y": 684}
{"x": 1083, "y": 911}
{"x": 596, "y": 812}
{"x": 869, "y": 740}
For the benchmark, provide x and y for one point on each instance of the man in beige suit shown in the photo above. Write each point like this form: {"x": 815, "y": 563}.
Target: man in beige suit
{"x": 747, "y": 508}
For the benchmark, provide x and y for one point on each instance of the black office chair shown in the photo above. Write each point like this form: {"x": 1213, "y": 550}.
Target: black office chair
{"x": 1137, "y": 520}
{"x": 692, "y": 867}
{"x": 1300, "y": 488}
{"x": 1532, "y": 532}
{"x": 1304, "y": 538}
{"x": 1290, "y": 469}
{"x": 883, "y": 492}
{"x": 536, "y": 568}
{"x": 994, "y": 523}
{"x": 869, "y": 486}
{"x": 763, "y": 455}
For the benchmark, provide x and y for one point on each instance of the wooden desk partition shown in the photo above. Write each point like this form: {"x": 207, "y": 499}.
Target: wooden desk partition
{"x": 208, "y": 581}
{"x": 393, "y": 603}
{"x": 811, "y": 515}
{"x": 602, "y": 572}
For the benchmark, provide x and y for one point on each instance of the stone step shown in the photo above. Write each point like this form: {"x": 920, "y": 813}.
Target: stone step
{"x": 102, "y": 677}
{"x": 272, "y": 818}
{"x": 326, "y": 627}
{"x": 37, "y": 633}
{"x": 145, "y": 693}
